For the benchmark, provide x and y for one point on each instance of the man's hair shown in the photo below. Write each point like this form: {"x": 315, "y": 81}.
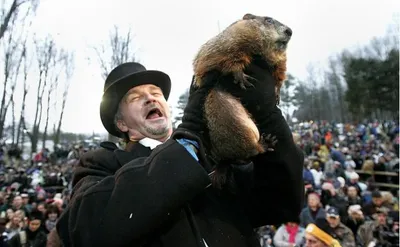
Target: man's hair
{"x": 35, "y": 215}
{"x": 117, "y": 117}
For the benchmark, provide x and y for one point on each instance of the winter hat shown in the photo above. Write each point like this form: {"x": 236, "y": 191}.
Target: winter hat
{"x": 354, "y": 175}
{"x": 341, "y": 181}
{"x": 355, "y": 209}
{"x": 323, "y": 232}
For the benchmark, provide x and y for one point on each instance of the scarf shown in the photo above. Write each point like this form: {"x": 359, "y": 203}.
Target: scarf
{"x": 292, "y": 230}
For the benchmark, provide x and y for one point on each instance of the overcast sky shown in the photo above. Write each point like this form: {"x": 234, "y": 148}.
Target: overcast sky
{"x": 169, "y": 33}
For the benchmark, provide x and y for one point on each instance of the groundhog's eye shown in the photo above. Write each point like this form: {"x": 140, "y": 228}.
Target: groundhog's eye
{"x": 269, "y": 20}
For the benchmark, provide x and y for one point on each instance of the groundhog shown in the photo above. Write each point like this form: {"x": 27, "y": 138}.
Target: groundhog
{"x": 233, "y": 49}
{"x": 234, "y": 136}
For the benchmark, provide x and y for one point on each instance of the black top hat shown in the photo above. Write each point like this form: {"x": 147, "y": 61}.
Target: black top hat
{"x": 120, "y": 80}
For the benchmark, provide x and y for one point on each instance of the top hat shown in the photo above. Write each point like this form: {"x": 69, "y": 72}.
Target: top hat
{"x": 120, "y": 80}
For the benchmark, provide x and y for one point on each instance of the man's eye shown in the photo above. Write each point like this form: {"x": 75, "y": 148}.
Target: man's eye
{"x": 135, "y": 98}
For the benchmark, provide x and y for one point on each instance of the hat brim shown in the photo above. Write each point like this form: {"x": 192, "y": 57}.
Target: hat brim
{"x": 332, "y": 215}
{"x": 116, "y": 91}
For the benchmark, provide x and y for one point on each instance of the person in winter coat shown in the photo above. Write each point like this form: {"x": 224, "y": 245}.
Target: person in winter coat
{"x": 343, "y": 234}
{"x": 157, "y": 191}
{"x": 289, "y": 235}
{"x": 313, "y": 211}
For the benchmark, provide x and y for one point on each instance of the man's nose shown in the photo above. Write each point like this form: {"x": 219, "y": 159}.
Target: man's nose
{"x": 150, "y": 98}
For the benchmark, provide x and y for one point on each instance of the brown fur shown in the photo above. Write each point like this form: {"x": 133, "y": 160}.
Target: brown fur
{"x": 222, "y": 126}
{"x": 233, "y": 49}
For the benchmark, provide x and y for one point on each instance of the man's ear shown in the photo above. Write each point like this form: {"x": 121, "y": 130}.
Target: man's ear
{"x": 122, "y": 126}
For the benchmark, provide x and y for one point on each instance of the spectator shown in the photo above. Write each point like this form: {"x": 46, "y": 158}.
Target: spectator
{"x": 371, "y": 208}
{"x": 352, "y": 196}
{"x": 355, "y": 219}
{"x": 342, "y": 233}
{"x": 290, "y": 234}
{"x": 313, "y": 211}
{"x": 320, "y": 235}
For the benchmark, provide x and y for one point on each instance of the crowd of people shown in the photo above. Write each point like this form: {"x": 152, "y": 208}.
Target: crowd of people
{"x": 33, "y": 193}
{"x": 359, "y": 207}
{"x": 341, "y": 189}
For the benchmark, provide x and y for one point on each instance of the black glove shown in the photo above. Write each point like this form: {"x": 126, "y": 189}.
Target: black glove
{"x": 260, "y": 98}
{"x": 194, "y": 127}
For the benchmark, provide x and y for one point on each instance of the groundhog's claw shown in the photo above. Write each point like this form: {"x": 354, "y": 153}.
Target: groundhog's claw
{"x": 242, "y": 79}
{"x": 269, "y": 141}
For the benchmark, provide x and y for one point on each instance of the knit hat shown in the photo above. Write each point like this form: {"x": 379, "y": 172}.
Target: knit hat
{"x": 320, "y": 232}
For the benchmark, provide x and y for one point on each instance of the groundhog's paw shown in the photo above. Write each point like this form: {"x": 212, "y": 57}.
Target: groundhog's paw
{"x": 242, "y": 79}
{"x": 269, "y": 142}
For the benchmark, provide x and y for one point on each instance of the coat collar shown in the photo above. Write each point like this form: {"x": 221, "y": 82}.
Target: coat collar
{"x": 136, "y": 150}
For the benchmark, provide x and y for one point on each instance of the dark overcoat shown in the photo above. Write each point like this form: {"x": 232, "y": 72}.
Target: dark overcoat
{"x": 162, "y": 197}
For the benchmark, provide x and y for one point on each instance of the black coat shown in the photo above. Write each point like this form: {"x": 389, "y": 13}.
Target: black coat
{"x": 163, "y": 198}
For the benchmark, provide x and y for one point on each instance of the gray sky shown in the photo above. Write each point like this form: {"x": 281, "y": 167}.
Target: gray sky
{"x": 168, "y": 34}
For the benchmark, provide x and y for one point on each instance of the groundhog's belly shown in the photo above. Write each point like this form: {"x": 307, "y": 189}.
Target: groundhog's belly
{"x": 244, "y": 119}
{"x": 233, "y": 134}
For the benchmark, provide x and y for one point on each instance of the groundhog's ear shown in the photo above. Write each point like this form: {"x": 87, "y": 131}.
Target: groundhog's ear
{"x": 249, "y": 17}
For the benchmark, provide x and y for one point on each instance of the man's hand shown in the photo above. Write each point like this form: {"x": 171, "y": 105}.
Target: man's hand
{"x": 193, "y": 126}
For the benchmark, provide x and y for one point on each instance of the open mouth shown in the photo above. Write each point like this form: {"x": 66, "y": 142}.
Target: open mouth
{"x": 154, "y": 113}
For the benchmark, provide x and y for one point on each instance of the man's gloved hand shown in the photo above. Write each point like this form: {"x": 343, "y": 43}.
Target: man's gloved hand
{"x": 259, "y": 99}
{"x": 194, "y": 127}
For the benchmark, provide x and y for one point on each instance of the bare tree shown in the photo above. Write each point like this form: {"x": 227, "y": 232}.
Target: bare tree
{"x": 57, "y": 66}
{"x": 9, "y": 12}
{"x": 13, "y": 53}
{"x": 45, "y": 52}
{"x": 21, "y": 125}
{"x": 69, "y": 68}
{"x": 121, "y": 52}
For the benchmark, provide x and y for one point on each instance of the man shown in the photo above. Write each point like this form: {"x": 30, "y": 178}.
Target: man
{"x": 375, "y": 231}
{"x": 313, "y": 211}
{"x": 343, "y": 234}
{"x": 157, "y": 192}
{"x": 369, "y": 209}
{"x": 352, "y": 196}
{"x": 320, "y": 235}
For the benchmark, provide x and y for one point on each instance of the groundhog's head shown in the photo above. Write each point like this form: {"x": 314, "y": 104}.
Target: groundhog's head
{"x": 274, "y": 35}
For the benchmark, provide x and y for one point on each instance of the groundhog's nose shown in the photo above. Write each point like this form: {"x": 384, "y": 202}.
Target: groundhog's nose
{"x": 288, "y": 32}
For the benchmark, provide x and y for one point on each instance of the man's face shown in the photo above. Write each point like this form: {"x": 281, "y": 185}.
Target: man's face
{"x": 381, "y": 218}
{"x": 17, "y": 202}
{"x": 313, "y": 200}
{"x": 25, "y": 200}
{"x": 333, "y": 221}
{"x": 34, "y": 225}
{"x": 312, "y": 241}
{"x": 377, "y": 201}
{"x": 145, "y": 113}
{"x": 352, "y": 192}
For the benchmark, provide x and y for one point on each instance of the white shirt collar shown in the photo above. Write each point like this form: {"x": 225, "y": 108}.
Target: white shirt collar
{"x": 151, "y": 143}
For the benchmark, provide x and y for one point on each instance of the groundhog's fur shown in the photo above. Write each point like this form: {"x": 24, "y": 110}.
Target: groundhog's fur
{"x": 220, "y": 126}
{"x": 233, "y": 49}
{"x": 234, "y": 136}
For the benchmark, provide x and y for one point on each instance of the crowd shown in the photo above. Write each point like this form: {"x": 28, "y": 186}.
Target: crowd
{"x": 357, "y": 210}
{"x": 361, "y": 208}
{"x": 33, "y": 193}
